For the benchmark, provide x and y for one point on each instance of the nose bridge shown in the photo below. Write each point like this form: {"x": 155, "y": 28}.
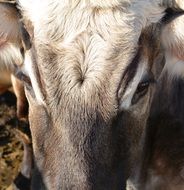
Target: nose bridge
{"x": 84, "y": 156}
{"x": 80, "y": 139}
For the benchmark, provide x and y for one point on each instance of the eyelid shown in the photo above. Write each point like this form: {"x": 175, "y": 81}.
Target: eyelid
{"x": 142, "y": 87}
{"x": 23, "y": 77}
{"x": 148, "y": 78}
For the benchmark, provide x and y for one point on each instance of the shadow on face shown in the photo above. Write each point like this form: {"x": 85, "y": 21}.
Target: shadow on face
{"x": 163, "y": 161}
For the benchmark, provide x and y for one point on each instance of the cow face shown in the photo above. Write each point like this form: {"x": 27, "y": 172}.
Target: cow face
{"x": 88, "y": 79}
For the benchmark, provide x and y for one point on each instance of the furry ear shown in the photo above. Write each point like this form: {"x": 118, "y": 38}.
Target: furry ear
{"x": 11, "y": 27}
{"x": 10, "y": 36}
{"x": 172, "y": 38}
{"x": 9, "y": 24}
{"x": 13, "y": 36}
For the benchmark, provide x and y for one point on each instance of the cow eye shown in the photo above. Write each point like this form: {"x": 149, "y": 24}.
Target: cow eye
{"x": 24, "y": 78}
{"x": 143, "y": 87}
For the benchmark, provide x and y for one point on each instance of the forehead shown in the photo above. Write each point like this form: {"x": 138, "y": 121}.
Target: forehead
{"x": 103, "y": 32}
{"x": 74, "y": 16}
{"x": 113, "y": 26}
{"x": 56, "y": 22}
{"x": 83, "y": 43}
{"x": 77, "y": 26}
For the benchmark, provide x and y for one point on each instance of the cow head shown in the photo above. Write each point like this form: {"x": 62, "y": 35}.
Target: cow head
{"x": 89, "y": 78}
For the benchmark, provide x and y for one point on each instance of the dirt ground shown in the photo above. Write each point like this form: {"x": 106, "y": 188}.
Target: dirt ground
{"x": 11, "y": 149}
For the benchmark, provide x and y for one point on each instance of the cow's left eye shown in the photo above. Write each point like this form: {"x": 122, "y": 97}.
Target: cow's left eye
{"x": 142, "y": 88}
{"x": 24, "y": 78}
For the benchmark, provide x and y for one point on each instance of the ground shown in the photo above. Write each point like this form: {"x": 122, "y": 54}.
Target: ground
{"x": 11, "y": 149}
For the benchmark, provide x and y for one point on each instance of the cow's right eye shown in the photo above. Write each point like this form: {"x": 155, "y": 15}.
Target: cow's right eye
{"x": 143, "y": 87}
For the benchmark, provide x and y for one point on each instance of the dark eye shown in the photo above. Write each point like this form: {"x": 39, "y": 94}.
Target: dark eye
{"x": 143, "y": 87}
{"x": 26, "y": 81}
{"x": 24, "y": 78}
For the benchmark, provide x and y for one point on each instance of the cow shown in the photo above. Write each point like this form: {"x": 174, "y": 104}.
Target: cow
{"x": 89, "y": 78}
{"x": 11, "y": 55}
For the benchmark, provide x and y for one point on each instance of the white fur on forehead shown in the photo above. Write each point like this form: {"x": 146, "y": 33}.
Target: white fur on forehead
{"x": 36, "y": 10}
{"x": 70, "y": 18}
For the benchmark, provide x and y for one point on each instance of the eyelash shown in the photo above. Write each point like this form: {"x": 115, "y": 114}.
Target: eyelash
{"x": 23, "y": 77}
{"x": 142, "y": 89}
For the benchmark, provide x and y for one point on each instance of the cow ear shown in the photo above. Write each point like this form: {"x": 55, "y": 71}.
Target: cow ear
{"x": 11, "y": 28}
{"x": 9, "y": 24}
{"x": 172, "y": 38}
